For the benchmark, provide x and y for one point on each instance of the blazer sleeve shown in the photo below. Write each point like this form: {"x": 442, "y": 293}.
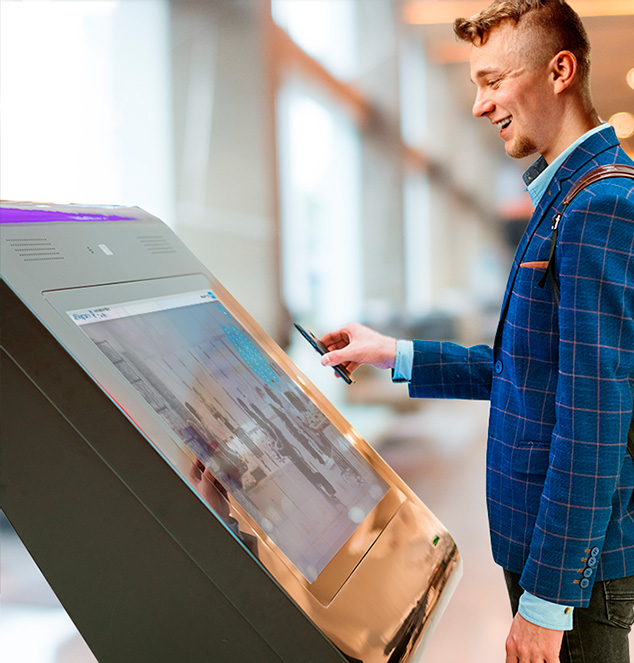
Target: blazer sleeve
{"x": 585, "y": 479}
{"x": 449, "y": 370}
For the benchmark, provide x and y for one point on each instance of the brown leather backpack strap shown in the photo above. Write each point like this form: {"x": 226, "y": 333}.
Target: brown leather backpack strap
{"x": 600, "y": 173}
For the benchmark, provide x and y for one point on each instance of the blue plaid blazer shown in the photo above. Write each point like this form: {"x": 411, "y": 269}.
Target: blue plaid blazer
{"x": 560, "y": 484}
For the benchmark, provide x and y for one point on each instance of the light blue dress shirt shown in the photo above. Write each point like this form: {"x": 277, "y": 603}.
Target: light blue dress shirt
{"x": 537, "y": 178}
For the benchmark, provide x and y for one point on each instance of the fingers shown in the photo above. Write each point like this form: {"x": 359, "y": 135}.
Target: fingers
{"x": 334, "y": 359}
{"x": 337, "y": 346}
{"x": 332, "y": 340}
{"x": 336, "y": 340}
{"x": 196, "y": 471}
{"x": 345, "y": 335}
{"x": 356, "y": 344}
{"x": 350, "y": 366}
{"x": 339, "y": 358}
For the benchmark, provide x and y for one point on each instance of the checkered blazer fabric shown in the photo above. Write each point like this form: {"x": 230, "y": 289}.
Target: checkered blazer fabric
{"x": 560, "y": 484}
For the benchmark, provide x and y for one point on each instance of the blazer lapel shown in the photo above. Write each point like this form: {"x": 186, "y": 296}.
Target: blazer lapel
{"x": 567, "y": 174}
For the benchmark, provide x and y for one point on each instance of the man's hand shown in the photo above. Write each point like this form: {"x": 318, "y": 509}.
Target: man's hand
{"x": 206, "y": 484}
{"x": 529, "y": 643}
{"x": 354, "y": 344}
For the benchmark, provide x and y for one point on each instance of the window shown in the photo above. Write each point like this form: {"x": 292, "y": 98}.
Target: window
{"x": 86, "y": 103}
{"x": 322, "y": 28}
{"x": 320, "y": 192}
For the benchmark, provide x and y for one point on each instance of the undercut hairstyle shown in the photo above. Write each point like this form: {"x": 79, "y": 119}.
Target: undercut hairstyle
{"x": 553, "y": 26}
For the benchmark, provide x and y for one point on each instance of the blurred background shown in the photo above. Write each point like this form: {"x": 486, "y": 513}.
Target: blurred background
{"x": 320, "y": 157}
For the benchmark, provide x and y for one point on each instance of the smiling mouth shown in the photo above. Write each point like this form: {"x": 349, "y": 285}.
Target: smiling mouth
{"x": 503, "y": 124}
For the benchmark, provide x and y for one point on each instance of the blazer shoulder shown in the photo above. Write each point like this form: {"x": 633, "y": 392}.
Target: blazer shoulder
{"x": 600, "y": 149}
{"x": 617, "y": 189}
{"x": 601, "y": 214}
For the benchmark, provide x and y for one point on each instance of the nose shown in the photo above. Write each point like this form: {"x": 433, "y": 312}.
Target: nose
{"x": 483, "y": 104}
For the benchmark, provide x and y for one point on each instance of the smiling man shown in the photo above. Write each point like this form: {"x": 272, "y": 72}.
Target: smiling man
{"x": 532, "y": 72}
{"x": 560, "y": 374}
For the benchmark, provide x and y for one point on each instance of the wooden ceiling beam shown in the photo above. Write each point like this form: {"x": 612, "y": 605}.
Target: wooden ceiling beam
{"x": 428, "y": 12}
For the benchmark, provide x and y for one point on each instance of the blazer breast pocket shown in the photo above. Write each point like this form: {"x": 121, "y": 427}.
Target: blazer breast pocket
{"x": 529, "y": 276}
{"x": 535, "y": 264}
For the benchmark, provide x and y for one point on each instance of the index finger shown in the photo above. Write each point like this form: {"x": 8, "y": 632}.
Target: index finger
{"x": 335, "y": 340}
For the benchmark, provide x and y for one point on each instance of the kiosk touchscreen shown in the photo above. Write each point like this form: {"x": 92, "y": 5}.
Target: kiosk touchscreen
{"x": 177, "y": 400}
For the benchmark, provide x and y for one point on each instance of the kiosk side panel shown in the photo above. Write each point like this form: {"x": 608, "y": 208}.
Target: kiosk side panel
{"x": 140, "y": 563}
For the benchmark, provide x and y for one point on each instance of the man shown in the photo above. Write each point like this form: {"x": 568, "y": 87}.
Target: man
{"x": 559, "y": 377}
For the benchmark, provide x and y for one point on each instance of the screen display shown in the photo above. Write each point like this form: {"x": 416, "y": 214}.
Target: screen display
{"x": 250, "y": 424}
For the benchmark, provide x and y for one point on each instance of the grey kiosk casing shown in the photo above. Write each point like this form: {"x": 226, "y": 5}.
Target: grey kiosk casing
{"x": 186, "y": 491}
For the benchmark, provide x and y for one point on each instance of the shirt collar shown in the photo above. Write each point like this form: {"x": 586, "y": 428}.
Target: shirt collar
{"x": 539, "y": 176}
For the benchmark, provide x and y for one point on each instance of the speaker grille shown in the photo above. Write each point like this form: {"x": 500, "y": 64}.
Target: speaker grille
{"x": 38, "y": 248}
{"x": 156, "y": 244}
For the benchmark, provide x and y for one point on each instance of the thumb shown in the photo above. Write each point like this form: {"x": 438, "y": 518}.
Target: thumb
{"x": 330, "y": 359}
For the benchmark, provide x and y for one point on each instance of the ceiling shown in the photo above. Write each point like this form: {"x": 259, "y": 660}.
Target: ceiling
{"x": 610, "y": 26}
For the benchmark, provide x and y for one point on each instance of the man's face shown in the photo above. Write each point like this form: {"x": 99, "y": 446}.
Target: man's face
{"x": 513, "y": 93}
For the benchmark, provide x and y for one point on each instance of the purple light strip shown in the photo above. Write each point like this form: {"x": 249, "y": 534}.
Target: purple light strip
{"x": 38, "y": 215}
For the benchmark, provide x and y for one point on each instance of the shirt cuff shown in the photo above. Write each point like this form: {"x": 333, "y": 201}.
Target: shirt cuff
{"x": 404, "y": 361}
{"x": 544, "y": 613}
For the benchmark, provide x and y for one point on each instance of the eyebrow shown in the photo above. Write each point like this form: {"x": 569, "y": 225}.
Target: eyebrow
{"x": 483, "y": 73}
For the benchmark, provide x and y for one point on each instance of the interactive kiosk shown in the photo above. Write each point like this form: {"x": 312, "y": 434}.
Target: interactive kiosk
{"x": 187, "y": 492}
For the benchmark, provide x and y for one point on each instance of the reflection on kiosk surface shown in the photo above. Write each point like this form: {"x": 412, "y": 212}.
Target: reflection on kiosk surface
{"x": 252, "y": 483}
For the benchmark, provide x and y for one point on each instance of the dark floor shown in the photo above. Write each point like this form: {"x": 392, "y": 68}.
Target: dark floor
{"x": 438, "y": 449}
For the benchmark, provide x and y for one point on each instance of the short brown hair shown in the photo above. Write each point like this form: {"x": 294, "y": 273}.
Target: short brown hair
{"x": 555, "y": 19}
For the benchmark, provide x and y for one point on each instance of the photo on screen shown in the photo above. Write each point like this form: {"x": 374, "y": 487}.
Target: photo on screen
{"x": 252, "y": 426}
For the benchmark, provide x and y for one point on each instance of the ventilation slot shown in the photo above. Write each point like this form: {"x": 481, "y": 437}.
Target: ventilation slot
{"x": 156, "y": 244}
{"x": 35, "y": 249}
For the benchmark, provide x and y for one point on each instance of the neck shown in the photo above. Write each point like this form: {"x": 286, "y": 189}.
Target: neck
{"x": 576, "y": 120}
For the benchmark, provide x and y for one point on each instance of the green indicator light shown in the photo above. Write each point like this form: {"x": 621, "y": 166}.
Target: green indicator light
{"x": 436, "y": 540}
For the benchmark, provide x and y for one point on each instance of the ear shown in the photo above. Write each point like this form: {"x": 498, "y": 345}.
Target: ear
{"x": 563, "y": 69}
